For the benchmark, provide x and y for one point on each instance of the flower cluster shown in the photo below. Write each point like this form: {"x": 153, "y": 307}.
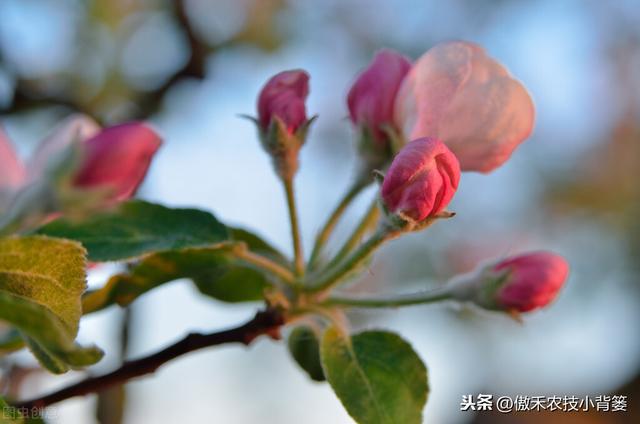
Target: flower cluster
{"x": 420, "y": 124}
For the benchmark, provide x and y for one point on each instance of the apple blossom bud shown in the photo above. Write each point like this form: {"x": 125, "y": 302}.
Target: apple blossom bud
{"x": 283, "y": 97}
{"x": 372, "y": 97}
{"x": 421, "y": 181}
{"x": 282, "y": 119}
{"x": 518, "y": 284}
{"x": 458, "y": 94}
{"x": 117, "y": 158}
{"x": 532, "y": 280}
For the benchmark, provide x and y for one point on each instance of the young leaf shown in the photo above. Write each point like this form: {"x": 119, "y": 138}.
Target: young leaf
{"x": 41, "y": 281}
{"x": 9, "y": 414}
{"x": 213, "y": 270}
{"x": 376, "y": 375}
{"x": 305, "y": 350}
{"x": 136, "y": 228}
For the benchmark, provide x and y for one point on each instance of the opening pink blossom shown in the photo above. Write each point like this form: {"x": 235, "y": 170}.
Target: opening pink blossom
{"x": 458, "y": 94}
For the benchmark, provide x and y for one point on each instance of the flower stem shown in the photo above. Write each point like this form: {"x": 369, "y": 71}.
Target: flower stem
{"x": 266, "y": 265}
{"x": 332, "y": 221}
{"x": 431, "y": 296}
{"x": 368, "y": 222}
{"x": 295, "y": 228}
{"x": 357, "y": 258}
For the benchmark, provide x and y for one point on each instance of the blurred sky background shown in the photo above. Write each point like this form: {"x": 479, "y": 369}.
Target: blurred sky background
{"x": 190, "y": 67}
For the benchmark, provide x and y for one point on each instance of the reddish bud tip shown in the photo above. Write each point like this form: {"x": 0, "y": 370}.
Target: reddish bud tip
{"x": 117, "y": 158}
{"x": 421, "y": 180}
{"x": 372, "y": 97}
{"x": 533, "y": 280}
{"x": 283, "y": 96}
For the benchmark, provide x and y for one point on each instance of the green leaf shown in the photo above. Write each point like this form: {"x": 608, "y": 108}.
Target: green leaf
{"x": 136, "y": 228}
{"x": 305, "y": 350}
{"x": 214, "y": 270}
{"x": 376, "y": 375}
{"x": 231, "y": 283}
{"x": 9, "y": 414}
{"x": 41, "y": 282}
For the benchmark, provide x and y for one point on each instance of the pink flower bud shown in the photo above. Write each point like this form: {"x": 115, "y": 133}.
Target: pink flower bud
{"x": 421, "y": 181}
{"x": 458, "y": 94}
{"x": 372, "y": 96}
{"x": 117, "y": 158}
{"x": 533, "y": 280}
{"x": 283, "y": 96}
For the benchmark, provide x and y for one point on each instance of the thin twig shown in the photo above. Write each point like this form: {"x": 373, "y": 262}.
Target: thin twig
{"x": 264, "y": 322}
